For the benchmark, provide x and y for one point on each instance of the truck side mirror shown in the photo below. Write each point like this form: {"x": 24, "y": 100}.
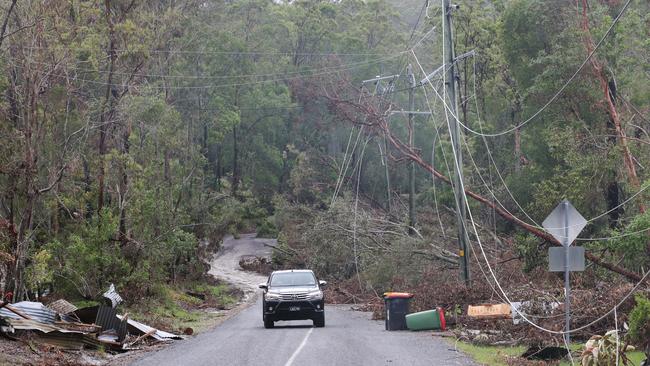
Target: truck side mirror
{"x": 322, "y": 283}
{"x": 263, "y": 286}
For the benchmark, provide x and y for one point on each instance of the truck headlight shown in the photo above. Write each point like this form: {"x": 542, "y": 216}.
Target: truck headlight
{"x": 315, "y": 295}
{"x": 272, "y": 296}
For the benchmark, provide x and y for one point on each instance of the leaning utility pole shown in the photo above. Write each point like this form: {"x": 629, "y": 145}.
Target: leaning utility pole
{"x": 387, "y": 172}
{"x": 455, "y": 132}
{"x": 391, "y": 85}
{"x": 411, "y": 80}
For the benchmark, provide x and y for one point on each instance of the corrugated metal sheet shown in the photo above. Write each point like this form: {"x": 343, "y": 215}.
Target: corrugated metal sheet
{"x": 113, "y": 296}
{"x": 139, "y": 328}
{"x": 104, "y": 316}
{"x": 35, "y": 310}
{"x": 62, "y": 307}
{"x": 68, "y": 340}
{"x": 26, "y": 324}
{"x": 51, "y": 334}
{"x": 80, "y": 327}
{"x": 107, "y": 319}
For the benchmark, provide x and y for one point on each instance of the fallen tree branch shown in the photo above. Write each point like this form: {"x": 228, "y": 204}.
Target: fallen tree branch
{"x": 376, "y": 120}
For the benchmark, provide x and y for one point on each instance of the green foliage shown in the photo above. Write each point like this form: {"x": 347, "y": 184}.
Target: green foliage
{"x": 267, "y": 229}
{"x": 221, "y": 293}
{"x": 639, "y": 322}
{"x": 444, "y": 195}
{"x": 534, "y": 255}
{"x": 632, "y": 240}
{"x": 40, "y": 271}
{"x": 307, "y": 180}
{"x": 87, "y": 261}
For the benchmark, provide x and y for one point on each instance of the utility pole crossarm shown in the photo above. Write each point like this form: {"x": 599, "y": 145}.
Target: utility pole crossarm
{"x": 410, "y": 112}
{"x": 379, "y": 78}
{"x": 431, "y": 75}
{"x": 465, "y": 55}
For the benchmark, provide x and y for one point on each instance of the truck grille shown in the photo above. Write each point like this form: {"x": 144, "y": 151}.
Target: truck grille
{"x": 294, "y": 297}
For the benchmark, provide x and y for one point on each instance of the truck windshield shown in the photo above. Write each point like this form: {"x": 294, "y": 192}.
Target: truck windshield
{"x": 293, "y": 279}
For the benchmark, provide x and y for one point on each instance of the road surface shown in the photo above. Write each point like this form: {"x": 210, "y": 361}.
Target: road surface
{"x": 349, "y": 337}
{"x": 225, "y": 265}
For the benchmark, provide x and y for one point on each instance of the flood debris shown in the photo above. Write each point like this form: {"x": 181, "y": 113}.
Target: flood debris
{"x": 62, "y": 324}
{"x": 112, "y": 296}
{"x": 61, "y": 307}
{"x": 28, "y": 310}
{"x": 139, "y": 328}
{"x": 490, "y": 311}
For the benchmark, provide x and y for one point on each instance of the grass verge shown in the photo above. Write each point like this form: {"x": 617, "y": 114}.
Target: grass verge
{"x": 509, "y": 356}
{"x": 187, "y": 308}
{"x": 490, "y": 355}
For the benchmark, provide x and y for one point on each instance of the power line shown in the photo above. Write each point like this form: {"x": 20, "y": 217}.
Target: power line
{"x": 217, "y": 77}
{"x": 444, "y": 156}
{"x": 535, "y": 224}
{"x": 217, "y": 86}
{"x": 491, "y": 158}
{"x": 231, "y": 53}
{"x": 505, "y": 296}
{"x": 561, "y": 90}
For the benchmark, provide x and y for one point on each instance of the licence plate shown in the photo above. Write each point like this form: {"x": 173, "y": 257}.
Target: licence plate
{"x": 294, "y": 308}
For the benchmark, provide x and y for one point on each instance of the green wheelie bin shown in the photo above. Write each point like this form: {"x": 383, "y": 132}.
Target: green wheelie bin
{"x": 424, "y": 320}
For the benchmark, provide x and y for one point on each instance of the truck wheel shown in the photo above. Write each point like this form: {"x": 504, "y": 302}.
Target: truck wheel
{"x": 320, "y": 321}
{"x": 268, "y": 323}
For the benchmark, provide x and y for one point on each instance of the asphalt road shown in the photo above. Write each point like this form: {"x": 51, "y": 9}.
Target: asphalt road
{"x": 349, "y": 337}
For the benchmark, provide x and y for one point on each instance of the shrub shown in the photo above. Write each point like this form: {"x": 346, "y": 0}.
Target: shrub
{"x": 640, "y": 323}
{"x": 267, "y": 229}
{"x": 602, "y": 350}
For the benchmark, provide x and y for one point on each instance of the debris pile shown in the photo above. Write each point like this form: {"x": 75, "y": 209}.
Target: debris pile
{"x": 256, "y": 264}
{"x": 62, "y": 324}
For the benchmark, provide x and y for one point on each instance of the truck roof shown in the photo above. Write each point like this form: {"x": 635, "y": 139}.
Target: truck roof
{"x": 293, "y": 270}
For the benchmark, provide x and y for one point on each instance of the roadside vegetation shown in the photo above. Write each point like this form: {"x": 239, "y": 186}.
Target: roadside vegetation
{"x": 511, "y": 356}
{"x": 186, "y": 309}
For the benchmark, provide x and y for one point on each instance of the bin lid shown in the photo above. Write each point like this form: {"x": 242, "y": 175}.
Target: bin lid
{"x": 443, "y": 321}
{"x": 397, "y": 295}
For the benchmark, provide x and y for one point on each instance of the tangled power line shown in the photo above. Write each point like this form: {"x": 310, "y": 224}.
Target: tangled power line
{"x": 495, "y": 280}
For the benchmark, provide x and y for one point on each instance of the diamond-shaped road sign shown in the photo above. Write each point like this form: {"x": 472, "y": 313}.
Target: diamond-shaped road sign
{"x": 565, "y": 223}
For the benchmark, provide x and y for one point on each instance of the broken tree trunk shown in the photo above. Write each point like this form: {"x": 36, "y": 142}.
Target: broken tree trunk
{"x": 599, "y": 72}
{"x": 608, "y": 96}
{"x": 107, "y": 110}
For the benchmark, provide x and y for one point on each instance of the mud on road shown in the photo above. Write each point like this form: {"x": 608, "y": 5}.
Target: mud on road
{"x": 225, "y": 264}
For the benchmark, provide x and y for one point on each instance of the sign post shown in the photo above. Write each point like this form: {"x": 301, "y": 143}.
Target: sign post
{"x": 565, "y": 223}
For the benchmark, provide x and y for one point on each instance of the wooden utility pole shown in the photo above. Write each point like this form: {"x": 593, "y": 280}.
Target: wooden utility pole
{"x": 391, "y": 83}
{"x": 455, "y": 132}
{"x": 387, "y": 172}
{"x": 411, "y": 80}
